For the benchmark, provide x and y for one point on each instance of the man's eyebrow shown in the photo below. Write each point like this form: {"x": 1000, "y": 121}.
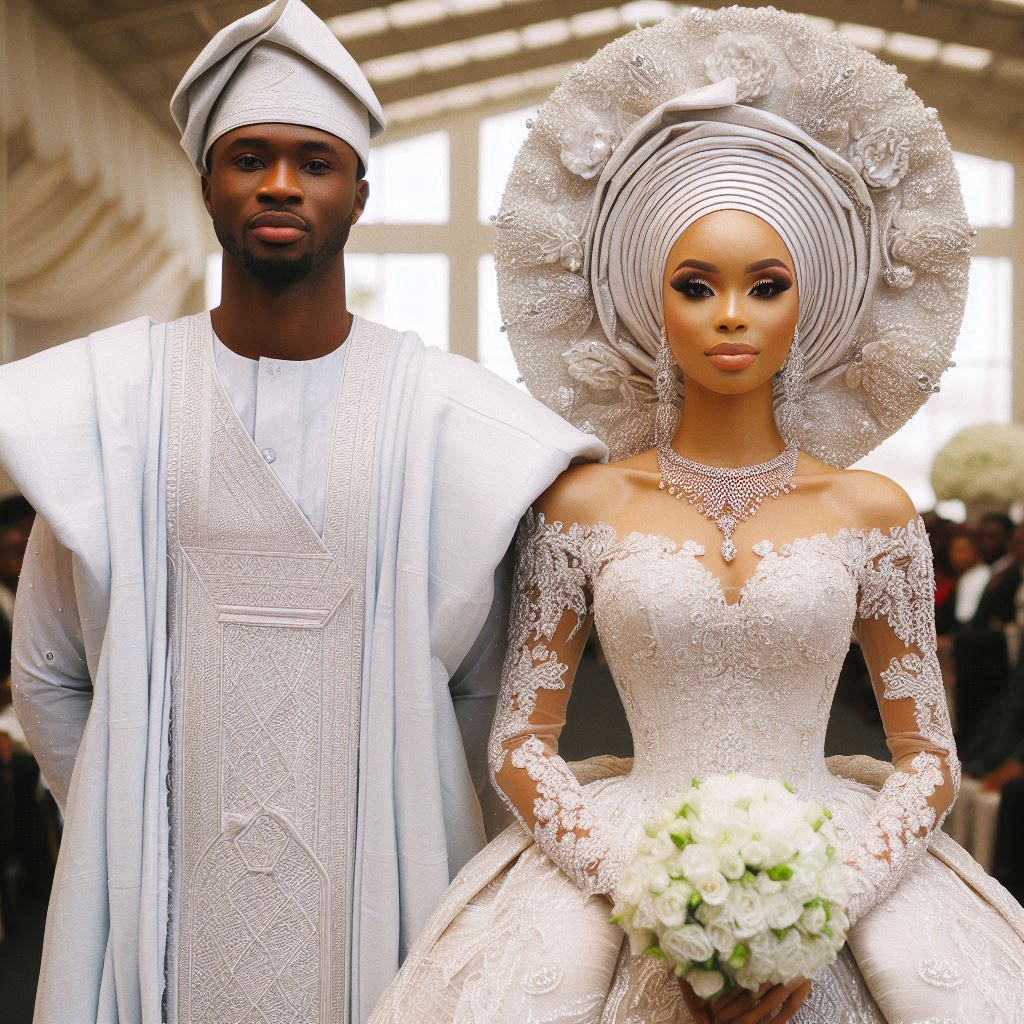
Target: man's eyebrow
{"x": 316, "y": 146}
{"x": 306, "y": 146}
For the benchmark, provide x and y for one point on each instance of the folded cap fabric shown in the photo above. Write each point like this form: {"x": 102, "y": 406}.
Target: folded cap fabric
{"x": 682, "y": 162}
{"x": 282, "y": 65}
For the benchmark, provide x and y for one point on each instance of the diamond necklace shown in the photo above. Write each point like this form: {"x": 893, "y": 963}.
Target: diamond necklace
{"x": 725, "y": 495}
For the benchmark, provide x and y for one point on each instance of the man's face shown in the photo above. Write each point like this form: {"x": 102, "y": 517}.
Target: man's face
{"x": 282, "y": 198}
{"x": 993, "y": 540}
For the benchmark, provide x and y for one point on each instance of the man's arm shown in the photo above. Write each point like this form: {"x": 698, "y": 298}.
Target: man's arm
{"x": 49, "y": 677}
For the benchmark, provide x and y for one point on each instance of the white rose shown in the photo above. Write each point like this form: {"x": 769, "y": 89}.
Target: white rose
{"x": 780, "y": 911}
{"x": 644, "y": 916}
{"x": 800, "y": 887}
{"x": 746, "y": 908}
{"x": 687, "y": 943}
{"x": 731, "y": 864}
{"x": 755, "y": 853}
{"x": 813, "y": 919}
{"x": 705, "y": 984}
{"x": 766, "y": 885}
{"x": 721, "y": 936}
{"x": 670, "y": 908}
{"x": 640, "y": 940}
{"x": 790, "y": 959}
{"x": 881, "y": 157}
{"x": 656, "y": 878}
{"x": 713, "y": 889}
{"x": 698, "y": 861}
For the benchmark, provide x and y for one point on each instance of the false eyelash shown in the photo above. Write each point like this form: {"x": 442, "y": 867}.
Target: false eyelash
{"x": 764, "y": 280}
{"x": 696, "y": 280}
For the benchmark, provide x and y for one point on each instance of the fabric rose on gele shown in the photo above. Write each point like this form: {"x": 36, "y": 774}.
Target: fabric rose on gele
{"x": 745, "y": 58}
{"x": 587, "y": 145}
{"x": 881, "y": 157}
{"x": 596, "y": 364}
{"x": 562, "y": 244}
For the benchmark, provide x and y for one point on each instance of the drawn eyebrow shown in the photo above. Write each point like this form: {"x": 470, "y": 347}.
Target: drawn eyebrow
{"x": 765, "y": 264}
{"x": 698, "y": 265}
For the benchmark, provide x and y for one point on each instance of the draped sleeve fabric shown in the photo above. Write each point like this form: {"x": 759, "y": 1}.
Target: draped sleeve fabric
{"x": 896, "y": 625}
{"x": 550, "y": 620}
{"x": 50, "y": 680}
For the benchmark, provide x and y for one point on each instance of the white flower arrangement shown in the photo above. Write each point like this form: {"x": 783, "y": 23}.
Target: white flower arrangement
{"x": 737, "y": 882}
{"x": 982, "y": 464}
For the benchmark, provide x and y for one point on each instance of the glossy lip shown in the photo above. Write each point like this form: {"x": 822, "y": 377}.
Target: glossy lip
{"x": 731, "y": 356}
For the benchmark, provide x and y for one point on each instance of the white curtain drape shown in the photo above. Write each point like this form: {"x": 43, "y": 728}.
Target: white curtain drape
{"x": 103, "y": 217}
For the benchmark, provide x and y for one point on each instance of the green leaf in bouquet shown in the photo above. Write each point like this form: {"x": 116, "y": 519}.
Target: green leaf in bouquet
{"x": 789, "y": 786}
{"x": 830, "y": 852}
{"x": 749, "y": 878}
{"x": 780, "y": 873}
{"x": 827, "y": 930}
{"x": 657, "y": 951}
{"x": 781, "y": 933}
{"x": 682, "y": 842}
{"x": 615, "y": 919}
{"x": 695, "y": 900}
{"x": 827, "y": 813}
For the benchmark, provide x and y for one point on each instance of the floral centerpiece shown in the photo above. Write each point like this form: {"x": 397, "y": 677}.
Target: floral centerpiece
{"x": 737, "y": 882}
{"x": 982, "y": 465}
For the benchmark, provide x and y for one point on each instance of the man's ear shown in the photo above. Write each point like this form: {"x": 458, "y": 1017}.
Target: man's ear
{"x": 205, "y": 180}
{"x": 362, "y": 195}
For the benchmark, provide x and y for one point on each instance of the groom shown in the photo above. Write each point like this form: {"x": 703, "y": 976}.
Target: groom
{"x": 249, "y": 618}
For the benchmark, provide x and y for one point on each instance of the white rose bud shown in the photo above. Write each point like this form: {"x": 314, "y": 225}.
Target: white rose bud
{"x": 755, "y": 853}
{"x": 698, "y": 861}
{"x": 780, "y": 911}
{"x": 670, "y": 908}
{"x": 705, "y": 984}
{"x": 813, "y": 919}
{"x": 657, "y": 879}
{"x": 731, "y": 864}
{"x": 721, "y": 937}
{"x": 746, "y": 908}
{"x": 713, "y": 889}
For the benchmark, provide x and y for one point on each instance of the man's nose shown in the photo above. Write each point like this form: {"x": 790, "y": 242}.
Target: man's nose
{"x": 281, "y": 184}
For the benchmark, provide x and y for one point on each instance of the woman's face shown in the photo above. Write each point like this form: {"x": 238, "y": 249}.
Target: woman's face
{"x": 731, "y": 303}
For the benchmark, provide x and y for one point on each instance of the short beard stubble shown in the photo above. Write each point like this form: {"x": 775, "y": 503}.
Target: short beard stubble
{"x": 282, "y": 272}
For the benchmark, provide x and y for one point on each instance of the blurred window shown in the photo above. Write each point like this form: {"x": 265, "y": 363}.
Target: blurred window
{"x": 406, "y": 292}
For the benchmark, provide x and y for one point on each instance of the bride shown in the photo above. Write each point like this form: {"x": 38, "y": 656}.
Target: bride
{"x": 762, "y": 226}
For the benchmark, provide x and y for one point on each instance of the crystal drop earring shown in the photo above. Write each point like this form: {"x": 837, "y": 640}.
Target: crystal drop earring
{"x": 791, "y": 413}
{"x": 666, "y": 387}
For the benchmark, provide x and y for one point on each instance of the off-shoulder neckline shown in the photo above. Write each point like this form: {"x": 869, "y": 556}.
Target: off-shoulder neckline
{"x": 695, "y": 550}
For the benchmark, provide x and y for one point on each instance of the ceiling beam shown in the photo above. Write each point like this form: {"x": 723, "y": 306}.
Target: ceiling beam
{"x": 495, "y": 67}
{"x": 949, "y": 21}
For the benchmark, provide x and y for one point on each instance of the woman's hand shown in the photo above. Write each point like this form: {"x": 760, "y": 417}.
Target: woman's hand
{"x": 775, "y": 1003}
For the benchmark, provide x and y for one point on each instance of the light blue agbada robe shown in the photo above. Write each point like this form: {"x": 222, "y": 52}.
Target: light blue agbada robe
{"x": 459, "y": 457}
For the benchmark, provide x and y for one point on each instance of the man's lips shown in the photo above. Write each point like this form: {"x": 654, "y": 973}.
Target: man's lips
{"x": 731, "y": 355}
{"x": 278, "y": 227}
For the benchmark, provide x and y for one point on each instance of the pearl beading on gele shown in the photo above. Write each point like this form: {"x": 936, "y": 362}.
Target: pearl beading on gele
{"x": 726, "y": 495}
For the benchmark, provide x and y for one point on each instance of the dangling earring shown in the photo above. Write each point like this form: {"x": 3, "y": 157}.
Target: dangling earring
{"x": 666, "y": 387}
{"x": 791, "y": 414}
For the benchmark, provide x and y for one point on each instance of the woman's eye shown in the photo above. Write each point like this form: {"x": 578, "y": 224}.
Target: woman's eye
{"x": 693, "y": 288}
{"x": 768, "y": 287}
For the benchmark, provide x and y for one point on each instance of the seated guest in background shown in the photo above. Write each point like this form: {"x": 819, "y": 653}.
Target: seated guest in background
{"x": 956, "y": 554}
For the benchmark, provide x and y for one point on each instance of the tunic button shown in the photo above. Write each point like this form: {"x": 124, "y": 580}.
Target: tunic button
{"x": 269, "y": 454}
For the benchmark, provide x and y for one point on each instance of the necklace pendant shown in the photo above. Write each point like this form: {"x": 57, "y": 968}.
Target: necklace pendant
{"x": 728, "y": 549}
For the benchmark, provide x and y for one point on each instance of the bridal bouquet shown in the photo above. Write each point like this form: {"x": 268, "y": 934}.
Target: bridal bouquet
{"x": 737, "y": 882}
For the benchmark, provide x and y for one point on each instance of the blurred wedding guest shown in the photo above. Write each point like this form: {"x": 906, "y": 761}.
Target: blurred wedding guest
{"x": 970, "y": 574}
{"x": 979, "y": 645}
{"x": 16, "y": 517}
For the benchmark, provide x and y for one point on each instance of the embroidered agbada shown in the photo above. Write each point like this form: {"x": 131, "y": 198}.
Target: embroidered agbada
{"x": 267, "y": 647}
{"x": 458, "y": 455}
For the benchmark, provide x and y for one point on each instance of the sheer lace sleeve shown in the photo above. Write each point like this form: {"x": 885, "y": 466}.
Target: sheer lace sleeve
{"x": 897, "y": 635}
{"x": 551, "y": 617}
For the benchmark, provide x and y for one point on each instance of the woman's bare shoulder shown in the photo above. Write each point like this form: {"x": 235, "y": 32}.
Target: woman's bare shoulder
{"x": 592, "y": 492}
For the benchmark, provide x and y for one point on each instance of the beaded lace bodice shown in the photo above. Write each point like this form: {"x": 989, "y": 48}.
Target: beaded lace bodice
{"x": 711, "y": 686}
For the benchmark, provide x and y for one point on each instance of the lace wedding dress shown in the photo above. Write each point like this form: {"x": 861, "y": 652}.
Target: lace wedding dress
{"x": 711, "y": 686}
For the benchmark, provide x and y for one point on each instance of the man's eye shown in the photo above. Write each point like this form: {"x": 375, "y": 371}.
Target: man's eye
{"x": 318, "y": 166}
{"x": 693, "y": 288}
{"x": 248, "y": 162}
